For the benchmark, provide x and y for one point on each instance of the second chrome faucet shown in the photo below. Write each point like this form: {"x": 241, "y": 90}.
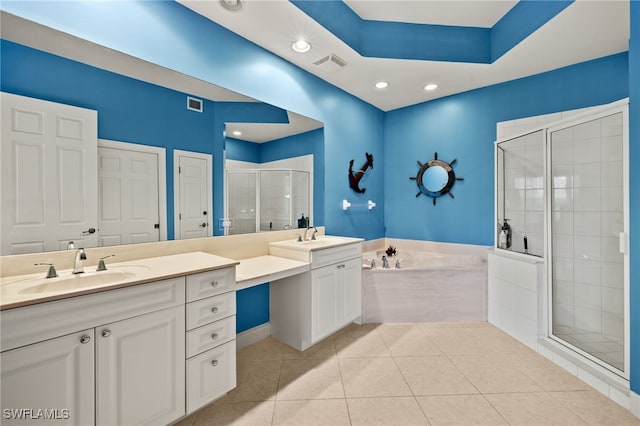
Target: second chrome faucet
{"x": 80, "y": 257}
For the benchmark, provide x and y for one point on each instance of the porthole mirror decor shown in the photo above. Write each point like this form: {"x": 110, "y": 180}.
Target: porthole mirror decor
{"x": 435, "y": 178}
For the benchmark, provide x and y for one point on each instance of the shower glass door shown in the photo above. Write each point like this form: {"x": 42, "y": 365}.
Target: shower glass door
{"x": 588, "y": 229}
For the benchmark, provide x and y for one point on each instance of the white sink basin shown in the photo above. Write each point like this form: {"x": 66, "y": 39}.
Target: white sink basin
{"x": 84, "y": 280}
{"x": 321, "y": 242}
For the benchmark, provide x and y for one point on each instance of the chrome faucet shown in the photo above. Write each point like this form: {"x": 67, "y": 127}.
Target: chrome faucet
{"x": 385, "y": 262}
{"x": 313, "y": 235}
{"x": 80, "y": 256}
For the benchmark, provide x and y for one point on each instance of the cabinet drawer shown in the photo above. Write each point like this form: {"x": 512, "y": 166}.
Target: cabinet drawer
{"x": 210, "y": 283}
{"x": 211, "y": 335}
{"x": 210, "y": 375}
{"x": 320, "y": 258}
{"x": 211, "y": 309}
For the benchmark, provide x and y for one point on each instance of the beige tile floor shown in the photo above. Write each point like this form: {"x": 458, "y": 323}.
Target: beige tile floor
{"x": 407, "y": 374}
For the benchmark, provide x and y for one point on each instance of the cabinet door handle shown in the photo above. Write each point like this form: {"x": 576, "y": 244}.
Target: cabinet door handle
{"x": 106, "y": 333}
{"x": 341, "y": 266}
{"x": 214, "y": 310}
{"x": 85, "y": 339}
{"x": 214, "y": 362}
{"x": 214, "y": 336}
{"x": 214, "y": 284}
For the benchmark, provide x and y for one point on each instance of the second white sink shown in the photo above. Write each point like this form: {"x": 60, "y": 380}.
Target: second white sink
{"x": 86, "y": 279}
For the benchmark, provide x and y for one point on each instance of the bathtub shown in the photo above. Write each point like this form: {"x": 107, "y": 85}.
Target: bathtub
{"x": 435, "y": 282}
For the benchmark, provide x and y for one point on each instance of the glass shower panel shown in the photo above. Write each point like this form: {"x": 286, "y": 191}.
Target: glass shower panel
{"x": 587, "y": 217}
{"x": 275, "y": 199}
{"x": 300, "y": 193}
{"x": 242, "y": 201}
{"x": 520, "y": 197}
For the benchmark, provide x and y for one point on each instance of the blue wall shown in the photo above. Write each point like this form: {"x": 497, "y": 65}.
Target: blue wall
{"x": 251, "y": 309}
{"x": 634, "y": 196}
{"x": 463, "y": 127}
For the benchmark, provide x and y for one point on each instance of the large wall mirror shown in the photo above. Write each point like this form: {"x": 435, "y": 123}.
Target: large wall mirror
{"x": 145, "y": 119}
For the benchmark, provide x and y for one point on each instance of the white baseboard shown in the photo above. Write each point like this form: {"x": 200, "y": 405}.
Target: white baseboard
{"x": 634, "y": 403}
{"x": 253, "y": 335}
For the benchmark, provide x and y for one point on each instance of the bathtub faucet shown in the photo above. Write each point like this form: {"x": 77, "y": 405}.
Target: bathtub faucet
{"x": 385, "y": 262}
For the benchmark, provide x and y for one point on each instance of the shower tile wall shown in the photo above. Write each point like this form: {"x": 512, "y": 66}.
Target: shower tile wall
{"x": 587, "y": 217}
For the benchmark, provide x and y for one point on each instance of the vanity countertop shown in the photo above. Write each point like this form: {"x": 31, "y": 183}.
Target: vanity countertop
{"x": 262, "y": 269}
{"x": 23, "y": 290}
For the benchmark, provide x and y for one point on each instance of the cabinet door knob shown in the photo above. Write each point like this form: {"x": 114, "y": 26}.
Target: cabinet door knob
{"x": 85, "y": 339}
{"x": 214, "y": 336}
{"x": 341, "y": 266}
{"x": 214, "y": 310}
{"x": 214, "y": 283}
{"x": 106, "y": 333}
{"x": 214, "y": 362}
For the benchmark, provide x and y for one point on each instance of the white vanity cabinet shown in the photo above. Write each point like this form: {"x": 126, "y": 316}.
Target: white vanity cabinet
{"x": 125, "y": 366}
{"x": 121, "y": 357}
{"x": 140, "y": 369}
{"x": 57, "y": 374}
{"x": 211, "y": 334}
{"x": 308, "y": 307}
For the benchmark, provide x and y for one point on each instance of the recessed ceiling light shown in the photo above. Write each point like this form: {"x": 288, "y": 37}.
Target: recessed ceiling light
{"x": 231, "y": 4}
{"x": 301, "y": 46}
{"x": 237, "y": 133}
{"x": 431, "y": 86}
{"x": 382, "y": 85}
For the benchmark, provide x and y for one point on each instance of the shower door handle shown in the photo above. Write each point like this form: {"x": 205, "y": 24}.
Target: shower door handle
{"x": 624, "y": 243}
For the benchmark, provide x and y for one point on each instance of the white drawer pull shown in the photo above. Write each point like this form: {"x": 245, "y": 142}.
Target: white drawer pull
{"x": 214, "y": 362}
{"x": 214, "y": 310}
{"x": 214, "y": 284}
{"x": 214, "y": 336}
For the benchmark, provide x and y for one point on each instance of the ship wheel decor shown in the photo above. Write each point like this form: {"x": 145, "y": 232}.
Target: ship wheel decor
{"x": 436, "y": 178}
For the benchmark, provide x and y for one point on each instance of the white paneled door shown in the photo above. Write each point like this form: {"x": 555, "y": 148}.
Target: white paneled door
{"x": 49, "y": 184}
{"x": 192, "y": 194}
{"x": 128, "y": 191}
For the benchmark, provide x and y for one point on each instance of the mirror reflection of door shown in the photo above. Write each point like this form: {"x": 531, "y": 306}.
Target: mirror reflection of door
{"x": 128, "y": 191}
{"x": 48, "y": 175}
{"x": 192, "y": 192}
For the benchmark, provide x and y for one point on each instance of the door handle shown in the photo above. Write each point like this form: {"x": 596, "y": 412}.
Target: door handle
{"x": 89, "y": 231}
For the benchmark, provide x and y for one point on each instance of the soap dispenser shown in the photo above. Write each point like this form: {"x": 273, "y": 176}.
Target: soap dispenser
{"x": 302, "y": 222}
{"x": 505, "y": 234}
{"x": 502, "y": 239}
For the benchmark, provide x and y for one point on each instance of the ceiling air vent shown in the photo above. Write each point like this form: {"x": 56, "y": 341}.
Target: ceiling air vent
{"x": 330, "y": 63}
{"x": 194, "y": 104}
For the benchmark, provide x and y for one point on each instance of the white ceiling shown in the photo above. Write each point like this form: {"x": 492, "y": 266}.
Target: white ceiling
{"x": 587, "y": 29}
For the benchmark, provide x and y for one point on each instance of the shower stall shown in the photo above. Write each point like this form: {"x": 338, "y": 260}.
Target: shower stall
{"x": 562, "y": 189}
{"x": 587, "y": 244}
{"x": 260, "y": 200}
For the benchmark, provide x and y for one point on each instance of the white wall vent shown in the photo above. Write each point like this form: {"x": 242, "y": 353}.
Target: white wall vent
{"x": 194, "y": 104}
{"x": 330, "y": 63}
